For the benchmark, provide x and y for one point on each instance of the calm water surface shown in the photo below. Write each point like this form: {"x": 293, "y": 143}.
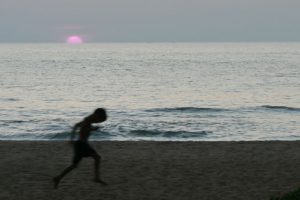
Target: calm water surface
{"x": 160, "y": 91}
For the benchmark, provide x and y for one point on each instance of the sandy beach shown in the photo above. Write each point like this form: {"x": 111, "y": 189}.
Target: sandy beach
{"x": 152, "y": 170}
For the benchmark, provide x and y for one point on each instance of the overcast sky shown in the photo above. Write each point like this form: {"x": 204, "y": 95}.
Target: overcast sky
{"x": 149, "y": 20}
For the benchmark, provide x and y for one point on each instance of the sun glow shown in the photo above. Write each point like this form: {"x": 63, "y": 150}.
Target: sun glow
{"x": 74, "y": 39}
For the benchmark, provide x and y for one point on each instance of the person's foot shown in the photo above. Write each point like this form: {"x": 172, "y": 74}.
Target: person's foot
{"x": 56, "y": 182}
{"x": 98, "y": 180}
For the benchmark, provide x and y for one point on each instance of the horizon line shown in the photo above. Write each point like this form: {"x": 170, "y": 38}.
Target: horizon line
{"x": 143, "y": 42}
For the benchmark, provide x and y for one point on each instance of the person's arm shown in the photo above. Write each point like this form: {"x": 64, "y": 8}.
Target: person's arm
{"x": 94, "y": 128}
{"x": 74, "y": 131}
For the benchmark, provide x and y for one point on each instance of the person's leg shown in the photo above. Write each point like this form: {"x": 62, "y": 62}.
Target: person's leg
{"x": 66, "y": 171}
{"x": 97, "y": 159}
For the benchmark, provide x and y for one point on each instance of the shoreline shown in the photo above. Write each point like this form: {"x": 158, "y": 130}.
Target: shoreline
{"x": 152, "y": 170}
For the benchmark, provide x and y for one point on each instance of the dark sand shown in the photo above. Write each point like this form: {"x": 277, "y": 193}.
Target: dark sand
{"x": 152, "y": 170}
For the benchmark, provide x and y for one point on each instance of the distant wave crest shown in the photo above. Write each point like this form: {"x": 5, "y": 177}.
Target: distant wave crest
{"x": 186, "y": 109}
{"x": 281, "y": 108}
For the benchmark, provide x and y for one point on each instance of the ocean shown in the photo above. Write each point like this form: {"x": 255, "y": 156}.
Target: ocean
{"x": 152, "y": 91}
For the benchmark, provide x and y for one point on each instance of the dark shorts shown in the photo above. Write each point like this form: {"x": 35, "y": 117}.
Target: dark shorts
{"x": 82, "y": 149}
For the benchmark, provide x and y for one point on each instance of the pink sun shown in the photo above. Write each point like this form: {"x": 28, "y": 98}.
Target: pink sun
{"x": 74, "y": 39}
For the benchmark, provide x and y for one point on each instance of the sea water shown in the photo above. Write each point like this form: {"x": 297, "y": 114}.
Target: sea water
{"x": 152, "y": 91}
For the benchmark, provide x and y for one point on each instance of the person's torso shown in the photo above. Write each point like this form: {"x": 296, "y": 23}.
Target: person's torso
{"x": 85, "y": 131}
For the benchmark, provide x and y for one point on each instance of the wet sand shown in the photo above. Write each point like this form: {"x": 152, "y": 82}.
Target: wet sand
{"x": 152, "y": 170}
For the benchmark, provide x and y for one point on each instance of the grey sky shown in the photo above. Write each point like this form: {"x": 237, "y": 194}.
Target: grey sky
{"x": 149, "y": 20}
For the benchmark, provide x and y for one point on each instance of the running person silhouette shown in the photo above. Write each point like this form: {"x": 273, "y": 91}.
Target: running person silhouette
{"x": 81, "y": 146}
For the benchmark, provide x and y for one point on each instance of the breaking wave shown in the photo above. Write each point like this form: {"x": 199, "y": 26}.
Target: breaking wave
{"x": 167, "y": 134}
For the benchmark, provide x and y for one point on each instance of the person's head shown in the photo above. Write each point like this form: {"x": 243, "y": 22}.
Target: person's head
{"x": 99, "y": 115}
